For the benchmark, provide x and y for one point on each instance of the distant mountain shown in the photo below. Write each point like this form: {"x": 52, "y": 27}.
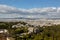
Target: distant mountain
{"x": 53, "y": 18}
{"x": 22, "y": 18}
{"x": 32, "y": 18}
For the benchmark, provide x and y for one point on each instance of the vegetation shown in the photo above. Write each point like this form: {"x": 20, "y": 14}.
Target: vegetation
{"x": 45, "y": 32}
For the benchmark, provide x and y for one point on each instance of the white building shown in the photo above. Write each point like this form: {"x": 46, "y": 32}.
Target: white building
{"x": 4, "y": 35}
{"x": 30, "y": 29}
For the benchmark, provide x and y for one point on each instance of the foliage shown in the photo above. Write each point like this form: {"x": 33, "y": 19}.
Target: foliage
{"x": 45, "y": 32}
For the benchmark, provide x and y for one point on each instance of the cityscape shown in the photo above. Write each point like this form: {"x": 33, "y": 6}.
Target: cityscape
{"x": 29, "y": 19}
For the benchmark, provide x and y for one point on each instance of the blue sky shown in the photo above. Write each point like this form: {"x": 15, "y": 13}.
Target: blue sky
{"x": 31, "y": 3}
{"x": 30, "y": 8}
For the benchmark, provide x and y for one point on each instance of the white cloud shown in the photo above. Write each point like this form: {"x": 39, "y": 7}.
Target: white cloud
{"x": 13, "y": 12}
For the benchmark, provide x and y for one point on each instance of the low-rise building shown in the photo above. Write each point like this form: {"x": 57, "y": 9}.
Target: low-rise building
{"x": 18, "y": 25}
{"x": 4, "y": 35}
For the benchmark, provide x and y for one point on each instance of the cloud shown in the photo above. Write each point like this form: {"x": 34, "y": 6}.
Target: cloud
{"x": 13, "y": 12}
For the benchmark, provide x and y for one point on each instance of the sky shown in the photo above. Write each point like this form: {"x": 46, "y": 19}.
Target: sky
{"x": 31, "y": 3}
{"x": 30, "y": 8}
